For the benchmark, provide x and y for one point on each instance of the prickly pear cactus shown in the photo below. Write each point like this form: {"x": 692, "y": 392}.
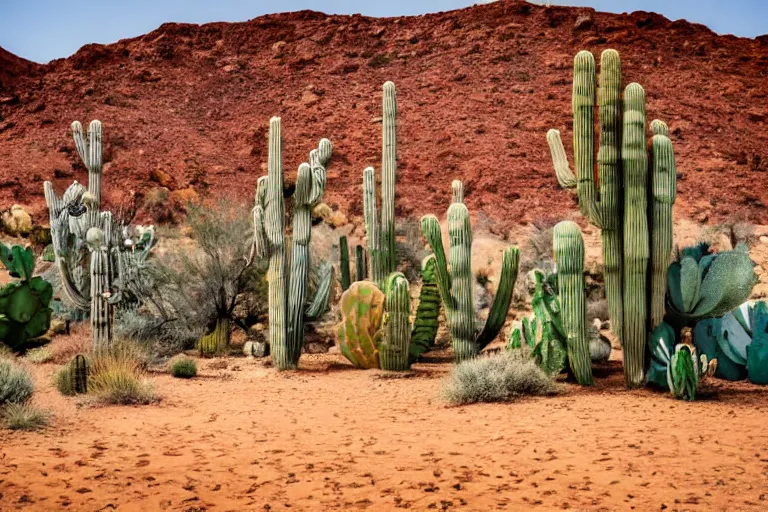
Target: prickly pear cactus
{"x": 25, "y": 311}
{"x": 362, "y": 327}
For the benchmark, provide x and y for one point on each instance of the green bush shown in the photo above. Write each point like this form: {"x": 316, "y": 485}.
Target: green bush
{"x": 184, "y": 368}
{"x": 497, "y": 378}
{"x": 63, "y": 382}
{"x": 15, "y": 384}
{"x": 117, "y": 376}
{"x": 25, "y": 417}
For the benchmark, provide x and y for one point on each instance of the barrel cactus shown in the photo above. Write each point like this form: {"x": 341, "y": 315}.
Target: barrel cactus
{"x": 25, "y": 311}
{"x": 636, "y": 236}
{"x": 456, "y": 289}
{"x": 288, "y": 288}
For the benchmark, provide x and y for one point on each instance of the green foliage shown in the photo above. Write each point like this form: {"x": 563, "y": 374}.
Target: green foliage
{"x": 543, "y": 332}
{"x": 497, "y": 378}
{"x": 678, "y": 369}
{"x": 25, "y": 417}
{"x": 25, "y": 311}
{"x": 184, "y": 368}
{"x": 703, "y": 285}
{"x": 39, "y": 355}
{"x": 15, "y": 384}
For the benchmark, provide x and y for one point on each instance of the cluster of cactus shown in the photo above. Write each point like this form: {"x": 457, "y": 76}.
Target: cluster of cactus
{"x": 632, "y": 249}
{"x": 93, "y": 282}
{"x": 25, "y": 311}
{"x": 677, "y": 367}
{"x": 375, "y": 331}
{"x": 288, "y": 288}
{"x": 739, "y": 341}
{"x": 456, "y": 286}
{"x": 543, "y": 331}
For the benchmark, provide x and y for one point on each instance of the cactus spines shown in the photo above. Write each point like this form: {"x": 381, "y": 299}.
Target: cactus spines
{"x": 636, "y": 240}
{"x": 659, "y": 127}
{"x": 569, "y": 257}
{"x": 563, "y": 172}
{"x": 456, "y": 287}
{"x": 287, "y": 291}
{"x": 664, "y": 193}
{"x": 457, "y": 191}
{"x": 428, "y": 311}
{"x": 393, "y": 350}
{"x": 372, "y": 227}
{"x": 359, "y": 263}
{"x": 388, "y": 170}
{"x": 344, "y": 263}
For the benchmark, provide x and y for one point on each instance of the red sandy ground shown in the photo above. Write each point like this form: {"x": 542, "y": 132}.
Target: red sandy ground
{"x": 330, "y": 437}
{"x": 188, "y": 106}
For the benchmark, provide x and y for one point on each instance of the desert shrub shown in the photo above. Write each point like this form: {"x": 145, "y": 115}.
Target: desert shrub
{"x": 497, "y": 378}
{"x": 187, "y": 291}
{"x": 15, "y": 383}
{"x": 184, "y": 368}
{"x": 63, "y": 382}
{"x": 39, "y": 355}
{"x": 116, "y": 375}
{"x": 25, "y": 417}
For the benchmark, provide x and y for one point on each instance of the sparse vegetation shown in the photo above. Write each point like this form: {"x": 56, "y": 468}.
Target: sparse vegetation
{"x": 25, "y": 417}
{"x": 184, "y": 368}
{"x": 15, "y": 384}
{"x": 39, "y": 355}
{"x": 498, "y": 378}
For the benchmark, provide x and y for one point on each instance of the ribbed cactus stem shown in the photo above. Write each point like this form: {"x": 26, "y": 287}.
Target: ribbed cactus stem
{"x": 388, "y": 170}
{"x": 460, "y": 255}
{"x": 378, "y": 271}
{"x": 563, "y": 172}
{"x": 569, "y": 257}
{"x": 608, "y": 163}
{"x": 636, "y": 239}
{"x": 274, "y": 225}
{"x": 101, "y": 314}
{"x": 583, "y": 103}
{"x": 296, "y": 280}
{"x": 510, "y": 263}
{"x": 659, "y": 127}
{"x": 359, "y": 263}
{"x": 664, "y": 187}
{"x": 393, "y": 351}
{"x": 344, "y": 263}
{"x": 457, "y": 191}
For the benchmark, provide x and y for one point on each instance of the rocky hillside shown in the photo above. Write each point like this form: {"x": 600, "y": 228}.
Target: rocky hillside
{"x": 187, "y": 107}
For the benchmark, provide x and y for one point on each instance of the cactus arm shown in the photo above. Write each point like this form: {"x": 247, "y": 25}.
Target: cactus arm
{"x": 388, "y": 170}
{"x": 430, "y": 229}
{"x": 569, "y": 257}
{"x": 498, "y": 313}
{"x": 300, "y": 262}
{"x": 636, "y": 240}
{"x": 274, "y": 225}
{"x": 457, "y": 191}
{"x": 393, "y": 351}
{"x": 322, "y": 299}
{"x": 565, "y": 177}
{"x": 359, "y": 263}
{"x": 260, "y": 247}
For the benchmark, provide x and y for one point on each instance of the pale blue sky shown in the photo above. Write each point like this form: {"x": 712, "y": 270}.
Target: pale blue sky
{"x": 42, "y": 30}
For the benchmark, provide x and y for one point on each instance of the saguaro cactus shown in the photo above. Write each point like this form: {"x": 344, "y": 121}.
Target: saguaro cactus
{"x": 569, "y": 257}
{"x": 620, "y": 209}
{"x": 456, "y": 287}
{"x": 287, "y": 291}
{"x": 79, "y": 226}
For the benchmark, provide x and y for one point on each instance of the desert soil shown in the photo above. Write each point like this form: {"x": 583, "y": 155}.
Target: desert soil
{"x": 330, "y": 437}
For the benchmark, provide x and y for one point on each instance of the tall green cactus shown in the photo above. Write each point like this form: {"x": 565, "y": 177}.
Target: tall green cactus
{"x": 428, "y": 311}
{"x": 456, "y": 287}
{"x": 569, "y": 257}
{"x": 360, "y": 269}
{"x": 287, "y": 291}
{"x": 621, "y": 208}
